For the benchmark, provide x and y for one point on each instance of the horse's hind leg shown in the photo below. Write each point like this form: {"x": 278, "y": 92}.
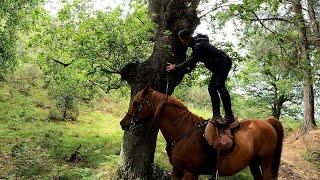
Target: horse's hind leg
{"x": 255, "y": 169}
{"x": 266, "y": 168}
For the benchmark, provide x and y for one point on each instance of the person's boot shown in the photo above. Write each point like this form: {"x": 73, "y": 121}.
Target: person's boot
{"x": 229, "y": 119}
{"x": 217, "y": 118}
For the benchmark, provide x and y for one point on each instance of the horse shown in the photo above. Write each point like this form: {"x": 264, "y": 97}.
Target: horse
{"x": 258, "y": 143}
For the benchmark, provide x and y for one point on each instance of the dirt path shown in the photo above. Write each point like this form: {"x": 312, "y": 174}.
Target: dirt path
{"x": 293, "y": 165}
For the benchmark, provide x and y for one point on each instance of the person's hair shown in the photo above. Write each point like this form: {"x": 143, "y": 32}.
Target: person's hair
{"x": 202, "y": 37}
{"x": 185, "y": 34}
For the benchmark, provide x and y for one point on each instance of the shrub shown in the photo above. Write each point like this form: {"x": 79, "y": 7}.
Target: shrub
{"x": 25, "y": 77}
{"x": 199, "y": 96}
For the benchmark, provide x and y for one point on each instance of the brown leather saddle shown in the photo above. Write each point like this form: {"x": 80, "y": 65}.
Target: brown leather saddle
{"x": 218, "y": 139}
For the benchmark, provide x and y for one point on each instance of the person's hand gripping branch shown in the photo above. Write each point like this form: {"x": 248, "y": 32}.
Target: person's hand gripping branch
{"x": 171, "y": 67}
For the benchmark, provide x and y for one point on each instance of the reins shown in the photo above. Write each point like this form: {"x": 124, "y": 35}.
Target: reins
{"x": 167, "y": 87}
{"x": 200, "y": 125}
{"x": 184, "y": 135}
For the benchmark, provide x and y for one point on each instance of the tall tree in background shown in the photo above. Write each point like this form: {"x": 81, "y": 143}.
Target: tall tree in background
{"x": 314, "y": 23}
{"x": 267, "y": 14}
{"x": 138, "y": 148}
{"x": 308, "y": 94}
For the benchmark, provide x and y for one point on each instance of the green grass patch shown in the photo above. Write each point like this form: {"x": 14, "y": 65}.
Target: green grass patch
{"x": 290, "y": 125}
{"x": 313, "y": 157}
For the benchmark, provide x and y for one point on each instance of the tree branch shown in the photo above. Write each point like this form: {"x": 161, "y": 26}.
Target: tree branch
{"x": 272, "y": 19}
{"x": 140, "y": 20}
{"x": 59, "y": 62}
{"x": 110, "y": 87}
{"x": 107, "y": 71}
{"x": 194, "y": 4}
{"x": 216, "y": 7}
{"x": 277, "y": 39}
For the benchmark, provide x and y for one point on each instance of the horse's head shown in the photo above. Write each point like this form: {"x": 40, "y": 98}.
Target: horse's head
{"x": 139, "y": 110}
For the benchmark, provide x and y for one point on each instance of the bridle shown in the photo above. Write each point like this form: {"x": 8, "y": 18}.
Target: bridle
{"x": 134, "y": 123}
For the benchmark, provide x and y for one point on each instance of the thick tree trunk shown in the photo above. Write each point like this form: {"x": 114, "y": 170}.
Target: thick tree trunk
{"x": 308, "y": 96}
{"x": 138, "y": 147}
{"x": 314, "y": 23}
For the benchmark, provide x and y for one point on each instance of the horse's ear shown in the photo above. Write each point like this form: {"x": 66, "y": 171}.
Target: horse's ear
{"x": 146, "y": 90}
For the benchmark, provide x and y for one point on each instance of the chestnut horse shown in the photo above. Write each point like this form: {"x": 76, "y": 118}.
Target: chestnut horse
{"x": 258, "y": 143}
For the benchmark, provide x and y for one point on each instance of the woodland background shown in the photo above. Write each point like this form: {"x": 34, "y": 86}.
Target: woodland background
{"x": 64, "y": 89}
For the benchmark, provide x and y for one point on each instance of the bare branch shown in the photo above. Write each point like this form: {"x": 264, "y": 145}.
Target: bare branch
{"x": 107, "y": 71}
{"x": 59, "y": 62}
{"x": 273, "y": 19}
{"x": 104, "y": 69}
{"x": 140, "y": 20}
{"x": 278, "y": 41}
{"x": 216, "y": 7}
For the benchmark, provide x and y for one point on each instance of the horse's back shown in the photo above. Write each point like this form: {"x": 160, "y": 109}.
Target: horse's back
{"x": 264, "y": 134}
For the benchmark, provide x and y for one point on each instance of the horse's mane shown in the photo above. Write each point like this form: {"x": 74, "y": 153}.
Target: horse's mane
{"x": 185, "y": 114}
{"x": 171, "y": 100}
{"x": 176, "y": 102}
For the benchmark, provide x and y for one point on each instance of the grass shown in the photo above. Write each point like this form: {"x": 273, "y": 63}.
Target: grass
{"x": 53, "y": 142}
{"x": 32, "y": 147}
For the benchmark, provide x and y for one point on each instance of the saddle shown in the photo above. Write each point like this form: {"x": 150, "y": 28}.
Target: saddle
{"x": 217, "y": 137}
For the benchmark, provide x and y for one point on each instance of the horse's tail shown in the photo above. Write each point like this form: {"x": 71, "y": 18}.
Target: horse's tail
{"x": 277, "y": 154}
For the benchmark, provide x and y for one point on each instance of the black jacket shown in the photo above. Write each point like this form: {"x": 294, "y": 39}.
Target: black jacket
{"x": 203, "y": 51}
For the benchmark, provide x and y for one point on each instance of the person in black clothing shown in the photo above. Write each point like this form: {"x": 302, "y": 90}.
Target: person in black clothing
{"x": 218, "y": 62}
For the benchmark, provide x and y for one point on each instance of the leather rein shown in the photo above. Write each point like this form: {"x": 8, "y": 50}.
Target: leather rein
{"x": 184, "y": 135}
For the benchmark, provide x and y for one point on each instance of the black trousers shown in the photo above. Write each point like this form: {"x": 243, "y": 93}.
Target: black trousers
{"x": 218, "y": 84}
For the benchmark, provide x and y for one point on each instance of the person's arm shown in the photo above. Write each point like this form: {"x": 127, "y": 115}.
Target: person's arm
{"x": 190, "y": 64}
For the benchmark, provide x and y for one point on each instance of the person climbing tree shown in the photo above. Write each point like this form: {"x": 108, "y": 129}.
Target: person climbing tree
{"x": 218, "y": 62}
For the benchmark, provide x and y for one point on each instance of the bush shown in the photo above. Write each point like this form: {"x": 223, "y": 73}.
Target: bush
{"x": 25, "y": 77}
{"x": 290, "y": 125}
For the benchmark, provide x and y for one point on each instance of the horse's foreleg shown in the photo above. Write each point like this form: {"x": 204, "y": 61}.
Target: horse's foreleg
{"x": 255, "y": 169}
{"x": 266, "y": 168}
{"x": 190, "y": 176}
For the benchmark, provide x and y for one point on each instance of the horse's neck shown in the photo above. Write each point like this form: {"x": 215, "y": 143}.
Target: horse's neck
{"x": 172, "y": 126}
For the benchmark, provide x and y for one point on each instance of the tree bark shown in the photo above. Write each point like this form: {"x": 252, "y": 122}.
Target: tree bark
{"x": 278, "y": 101}
{"x": 314, "y": 24}
{"x": 308, "y": 95}
{"x": 137, "y": 153}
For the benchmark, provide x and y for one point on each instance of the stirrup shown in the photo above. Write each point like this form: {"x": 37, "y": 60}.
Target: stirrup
{"x": 234, "y": 124}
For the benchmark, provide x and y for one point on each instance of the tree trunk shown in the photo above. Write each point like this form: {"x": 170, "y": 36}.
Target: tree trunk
{"x": 314, "y": 24}
{"x": 308, "y": 96}
{"x": 137, "y": 153}
{"x": 278, "y": 101}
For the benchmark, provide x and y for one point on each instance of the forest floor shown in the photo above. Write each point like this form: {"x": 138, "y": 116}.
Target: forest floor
{"x": 295, "y": 156}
